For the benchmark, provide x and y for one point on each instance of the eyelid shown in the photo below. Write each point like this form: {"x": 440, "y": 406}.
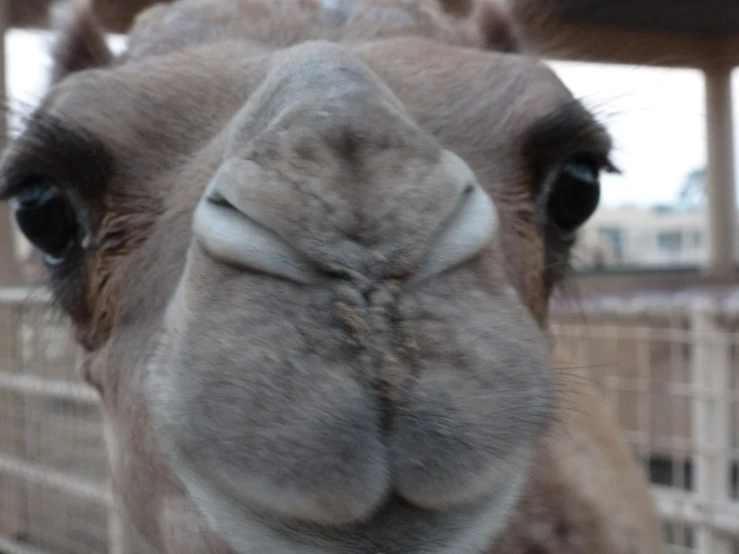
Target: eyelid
{"x": 567, "y": 131}
{"x": 600, "y": 160}
{"x": 54, "y": 146}
{"x": 14, "y": 178}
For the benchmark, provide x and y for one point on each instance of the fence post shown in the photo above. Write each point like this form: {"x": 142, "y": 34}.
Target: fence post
{"x": 710, "y": 366}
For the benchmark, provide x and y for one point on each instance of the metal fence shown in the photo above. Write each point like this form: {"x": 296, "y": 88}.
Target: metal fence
{"x": 669, "y": 370}
{"x": 669, "y": 373}
{"x": 54, "y": 494}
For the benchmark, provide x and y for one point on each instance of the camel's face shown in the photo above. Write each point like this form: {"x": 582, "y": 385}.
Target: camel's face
{"x": 312, "y": 281}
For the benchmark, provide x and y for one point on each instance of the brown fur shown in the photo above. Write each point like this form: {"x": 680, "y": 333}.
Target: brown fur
{"x": 81, "y": 43}
{"x": 497, "y": 27}
{"x": 168, "y": 112}
{"x": 567, "y": 509}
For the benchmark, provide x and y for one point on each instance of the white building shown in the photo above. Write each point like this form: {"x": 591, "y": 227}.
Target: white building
{"x": 643, "y": 237}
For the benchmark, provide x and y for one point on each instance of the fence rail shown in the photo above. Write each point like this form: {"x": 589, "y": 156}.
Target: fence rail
{"x": 668, "y": 370}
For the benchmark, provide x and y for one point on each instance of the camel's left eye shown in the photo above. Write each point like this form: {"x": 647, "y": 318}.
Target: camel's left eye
{"x": 44, "y": 215}
{"x": 572, "y": 194}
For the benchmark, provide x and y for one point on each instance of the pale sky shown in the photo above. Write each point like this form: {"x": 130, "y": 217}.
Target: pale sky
{"x": 657, "y": 119}
{"x": 655, "y": 115}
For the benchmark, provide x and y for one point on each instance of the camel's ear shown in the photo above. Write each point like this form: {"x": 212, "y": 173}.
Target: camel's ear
{"x": 80, "y": 43}
{"x": 497, "y": 27}
{"x": 492, "y": 19}
{"x": 461, "y": 8}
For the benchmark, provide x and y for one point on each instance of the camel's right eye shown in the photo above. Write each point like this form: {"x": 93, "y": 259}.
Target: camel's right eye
{"x": 572, "y": 194}
{"x": 44, "y": 215}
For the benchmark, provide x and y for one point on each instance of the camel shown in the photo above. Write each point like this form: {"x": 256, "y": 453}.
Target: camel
{"x": 307, "y": 248}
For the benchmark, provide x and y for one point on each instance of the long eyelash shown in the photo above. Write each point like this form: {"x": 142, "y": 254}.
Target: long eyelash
{"x": 51, "y": 148}
{"x": 600, "y": 115}
{"x": 568, "y": 130}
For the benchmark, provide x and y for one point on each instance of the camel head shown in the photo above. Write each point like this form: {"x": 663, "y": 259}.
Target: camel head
{"x": 308, "y": 249}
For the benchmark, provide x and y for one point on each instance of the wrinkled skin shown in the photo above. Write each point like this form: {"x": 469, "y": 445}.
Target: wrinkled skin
{"x": 311, "y": 277}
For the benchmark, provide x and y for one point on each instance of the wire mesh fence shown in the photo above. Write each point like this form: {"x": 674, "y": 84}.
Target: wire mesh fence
{"x": 52, "y": 460}
{"x": 669, "y": 373}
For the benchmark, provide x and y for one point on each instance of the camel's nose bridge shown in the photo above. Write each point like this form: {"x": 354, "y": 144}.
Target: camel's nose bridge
{"x": 315, "y": 76}
{"x": 338, "y": 178}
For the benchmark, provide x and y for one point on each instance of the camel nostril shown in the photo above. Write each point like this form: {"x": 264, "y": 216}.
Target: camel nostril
{"x": 217, "y": 199}
{"x": 465, "y": 233}
{"x": 230, "y": 236}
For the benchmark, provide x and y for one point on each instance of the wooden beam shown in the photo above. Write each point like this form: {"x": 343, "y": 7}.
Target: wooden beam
{"x": 549, "y": 35}
{"x": 559, "y": 40}
{"x": 9, "y": 269}
{"x": 28, "y": 13}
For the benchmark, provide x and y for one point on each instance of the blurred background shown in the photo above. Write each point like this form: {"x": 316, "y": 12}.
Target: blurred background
{"x": 651, "y": 314}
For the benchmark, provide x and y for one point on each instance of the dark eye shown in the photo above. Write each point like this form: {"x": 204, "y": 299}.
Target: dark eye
{"x": 572, "y": 194}
{"x": 44, "y": 215}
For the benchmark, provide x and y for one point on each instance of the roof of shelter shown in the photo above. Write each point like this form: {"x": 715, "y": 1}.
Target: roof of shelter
{"x": 654, "y": 32}
{"x": 692, "y": 33}
{"x": 710, "y": 18}
{"x": 704, "y": 17}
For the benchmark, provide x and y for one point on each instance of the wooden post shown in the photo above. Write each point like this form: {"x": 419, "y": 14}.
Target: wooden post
{"x": 9, "y": 269}
{"x": 720, "y": 186}
{"x": 710, "y": 370}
